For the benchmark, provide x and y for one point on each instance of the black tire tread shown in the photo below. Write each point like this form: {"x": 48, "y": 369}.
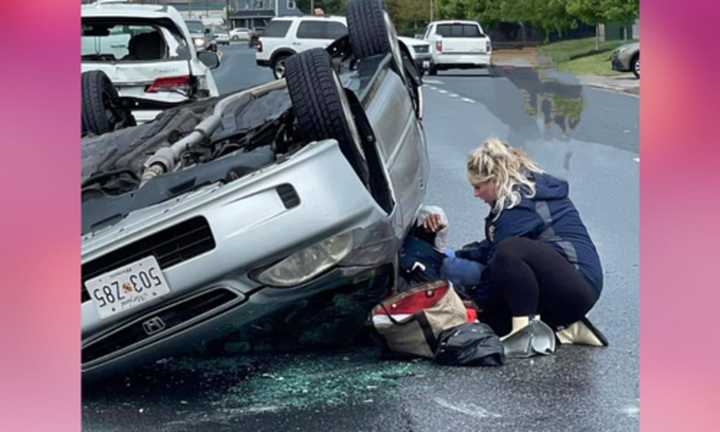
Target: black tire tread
{"x": 367, "y": 29}
{"x": 93, "y": 111}
{"x": 317, "y": 105}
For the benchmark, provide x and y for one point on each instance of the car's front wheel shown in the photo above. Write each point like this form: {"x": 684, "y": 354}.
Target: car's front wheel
{"x": 279, "y": 66}
{"x": 321, "y": 108}
{"x": 102, "y": 110}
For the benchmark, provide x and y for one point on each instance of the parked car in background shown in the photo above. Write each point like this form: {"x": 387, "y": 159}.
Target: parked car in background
{"x": 200, "y": 35}
{"x": 420, "y": 51}
{"x": 136, "y": 61}
{"x": 258, "y": 210}
{"x": 220, "y": 35}
{"x": 458, "y": 45}
{"x": 626, "y": 58}
{"x": 286, "y": 36}
{"x": 239, "y": 34}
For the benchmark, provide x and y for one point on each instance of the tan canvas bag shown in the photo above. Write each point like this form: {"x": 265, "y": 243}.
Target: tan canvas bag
{"x": 410, "y": 322}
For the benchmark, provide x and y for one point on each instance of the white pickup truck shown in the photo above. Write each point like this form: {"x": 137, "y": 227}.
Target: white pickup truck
{"x": 458, "y": 45}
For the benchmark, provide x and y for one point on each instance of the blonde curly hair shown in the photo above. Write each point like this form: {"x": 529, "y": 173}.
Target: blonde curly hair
{"x": 507, "y": 168}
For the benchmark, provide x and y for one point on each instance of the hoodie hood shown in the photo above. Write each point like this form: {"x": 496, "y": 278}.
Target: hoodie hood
{"x": 548, "y": 187}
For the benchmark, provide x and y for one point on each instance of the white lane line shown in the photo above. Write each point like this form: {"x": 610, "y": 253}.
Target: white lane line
{"x": 468, "y": 100}
{"x": 452, "y": 95}
{"x": 636, "y": 160}
{"x": 432, "y": 81}
{"x": 442, "y": 91}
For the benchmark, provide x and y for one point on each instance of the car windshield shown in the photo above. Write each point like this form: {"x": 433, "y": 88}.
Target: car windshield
{"x": 124, "y": 41}
{"x": 195, "y": 26}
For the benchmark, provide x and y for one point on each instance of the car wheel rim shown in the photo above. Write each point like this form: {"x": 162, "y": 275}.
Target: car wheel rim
{"x": 347, "y": 112}
{"x": 280, "y": 69}
{"x": 113, "y": 111}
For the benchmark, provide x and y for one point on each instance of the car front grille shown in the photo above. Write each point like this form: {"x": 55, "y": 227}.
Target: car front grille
{"x": 170, "y": 246}
{"x": 159, "y": 322}
{"x": 421, "y": 49}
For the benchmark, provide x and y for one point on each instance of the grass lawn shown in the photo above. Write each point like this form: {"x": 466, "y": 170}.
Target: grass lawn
{"x": 580, "y": 57}
{"x": 595, "y": 64}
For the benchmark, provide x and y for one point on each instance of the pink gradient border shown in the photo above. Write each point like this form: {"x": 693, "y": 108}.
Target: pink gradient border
{"x": 680, "y": 125}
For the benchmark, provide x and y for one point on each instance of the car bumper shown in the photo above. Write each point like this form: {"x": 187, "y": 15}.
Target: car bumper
{"x": 235, "y": 314}
{"x": 447, "y": 60}
{"x": 617, "y": 65}
{"x": 263, "y": 63}
{"x": 252, "y": 227}
{"x": 423, "y": 61}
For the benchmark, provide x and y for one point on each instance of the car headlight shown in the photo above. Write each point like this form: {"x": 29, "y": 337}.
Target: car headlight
{"x": 307, "y": 263}
{"x": 199, "y": 42}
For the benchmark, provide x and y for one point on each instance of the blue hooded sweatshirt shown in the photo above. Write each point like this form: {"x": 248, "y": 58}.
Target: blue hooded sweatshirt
{"x": 549, "y": 216}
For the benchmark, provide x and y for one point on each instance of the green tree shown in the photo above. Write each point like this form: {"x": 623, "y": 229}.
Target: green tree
{"x": 590, "y": 12}
{"x": 624, "y": 11}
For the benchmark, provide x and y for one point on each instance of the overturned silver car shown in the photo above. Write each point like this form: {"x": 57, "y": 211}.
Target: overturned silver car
{"x": 265, "y": 203}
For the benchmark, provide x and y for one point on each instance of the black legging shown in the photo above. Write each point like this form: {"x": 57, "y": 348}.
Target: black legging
{"x": 530, "y": 277}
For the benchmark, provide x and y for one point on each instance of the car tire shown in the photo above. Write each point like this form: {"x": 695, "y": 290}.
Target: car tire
{"x": 371, "y": 31}
{"x": 102, "y": 111}
{"x": 635, "y": 66}
{"x": 432, "y": 71}
{"x": 279, "y": 66}
{"x": 321, "y": 107}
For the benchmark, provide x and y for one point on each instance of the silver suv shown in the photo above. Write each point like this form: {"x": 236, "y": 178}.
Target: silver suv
{"x": 282, "y": 206}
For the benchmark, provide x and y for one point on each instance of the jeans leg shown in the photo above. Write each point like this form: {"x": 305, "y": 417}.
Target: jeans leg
{"x": 461, "y": 272}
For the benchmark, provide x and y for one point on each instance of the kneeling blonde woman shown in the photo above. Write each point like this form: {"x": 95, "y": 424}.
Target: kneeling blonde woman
{"x": 537, "y": 259}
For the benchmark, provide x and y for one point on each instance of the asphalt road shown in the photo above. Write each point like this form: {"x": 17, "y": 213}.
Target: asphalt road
{"x": 586, "y": 135}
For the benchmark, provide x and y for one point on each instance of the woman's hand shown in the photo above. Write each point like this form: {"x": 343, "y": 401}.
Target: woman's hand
{"x": 432, "y": 223}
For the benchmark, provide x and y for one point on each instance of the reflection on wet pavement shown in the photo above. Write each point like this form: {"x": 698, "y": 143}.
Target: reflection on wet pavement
{"x": 551, "y": 98}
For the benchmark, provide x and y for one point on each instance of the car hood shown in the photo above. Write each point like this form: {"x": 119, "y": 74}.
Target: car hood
{"x": 413, "y": 41}
{"x": 631, "y": 46}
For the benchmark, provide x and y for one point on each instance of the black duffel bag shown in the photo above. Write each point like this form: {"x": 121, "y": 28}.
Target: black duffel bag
{"x": 469, "y": 344}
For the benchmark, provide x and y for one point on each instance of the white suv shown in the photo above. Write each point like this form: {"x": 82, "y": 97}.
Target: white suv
{"x": 141, "y": 58}
{"x": 286, "y": 36}
{"x": 458, "y": 45}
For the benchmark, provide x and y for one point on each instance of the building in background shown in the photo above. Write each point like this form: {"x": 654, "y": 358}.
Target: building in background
{"x": 255, "y": 14}
{"x": 252, "y": 14}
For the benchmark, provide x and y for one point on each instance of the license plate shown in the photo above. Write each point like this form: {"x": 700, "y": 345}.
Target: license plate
{"x": 426, "y": 64}
{"x": 127, "y": 287}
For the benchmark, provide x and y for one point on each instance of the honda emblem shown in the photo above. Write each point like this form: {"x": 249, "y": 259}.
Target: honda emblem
{"x": 153, "y": 325}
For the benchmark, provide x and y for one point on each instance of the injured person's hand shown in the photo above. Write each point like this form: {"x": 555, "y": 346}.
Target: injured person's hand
{"x": 433, "y": 220}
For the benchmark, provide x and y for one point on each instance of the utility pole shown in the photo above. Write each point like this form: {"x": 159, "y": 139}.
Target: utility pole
{"x": 312, "y": 7}
{"x": 432, "y": 11}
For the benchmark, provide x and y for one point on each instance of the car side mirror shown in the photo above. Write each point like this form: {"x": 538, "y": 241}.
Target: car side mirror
{"x": 207, "y": 31}
{"x": 209, "y": 59}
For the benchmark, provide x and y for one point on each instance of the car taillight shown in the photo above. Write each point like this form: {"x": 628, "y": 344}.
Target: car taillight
{"x": 258, "y": 45}
{"x": 438, "y": 46}
{"x": 169, "y": 83}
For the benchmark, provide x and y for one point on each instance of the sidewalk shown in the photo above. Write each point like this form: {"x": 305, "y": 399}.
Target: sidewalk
{"x": 528, "y": 57}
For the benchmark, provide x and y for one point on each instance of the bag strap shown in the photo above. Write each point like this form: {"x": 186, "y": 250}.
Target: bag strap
{"x": 426, "y": 328}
